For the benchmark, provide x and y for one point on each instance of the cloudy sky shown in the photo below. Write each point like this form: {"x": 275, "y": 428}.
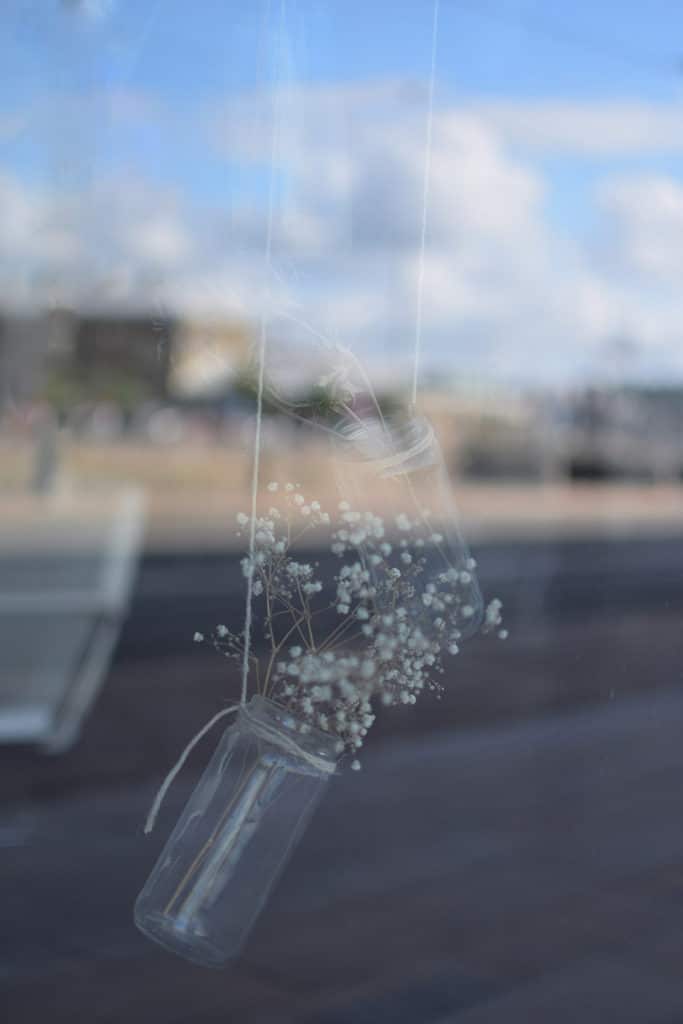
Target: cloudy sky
{"x": 137, "y": 140}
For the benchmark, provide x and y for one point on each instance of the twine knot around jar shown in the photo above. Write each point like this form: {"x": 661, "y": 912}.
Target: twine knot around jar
{"x": 391, "y": 447}
{"x": 306, "y": 762}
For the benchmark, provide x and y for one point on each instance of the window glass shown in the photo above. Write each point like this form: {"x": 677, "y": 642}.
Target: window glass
{"x": 438, "y": 246}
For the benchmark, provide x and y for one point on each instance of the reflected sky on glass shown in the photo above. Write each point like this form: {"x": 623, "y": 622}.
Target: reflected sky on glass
{"x": 135, "y": 150}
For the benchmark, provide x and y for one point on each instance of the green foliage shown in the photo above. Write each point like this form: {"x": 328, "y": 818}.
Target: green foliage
{"x": 65, "y": 389}
{"x": 320, "y": 403}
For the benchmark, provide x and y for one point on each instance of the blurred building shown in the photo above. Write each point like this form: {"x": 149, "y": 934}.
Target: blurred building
{"x": 208, "y": 357}
{"x": 139, "y": 349}
{"x": 23, "y": 355}
{"x": 69, "y": 359}
{"x": 622, "y": 432}
{"x": 486, "y": 432}
{"x": 615, "y": 433}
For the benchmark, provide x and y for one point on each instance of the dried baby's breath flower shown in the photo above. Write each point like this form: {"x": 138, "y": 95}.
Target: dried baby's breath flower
{"x": 368, "y": 631}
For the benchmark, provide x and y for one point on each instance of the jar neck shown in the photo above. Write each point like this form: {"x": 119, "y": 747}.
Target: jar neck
{"x": 274, "y": 723}
{"x": 391, "y": 446}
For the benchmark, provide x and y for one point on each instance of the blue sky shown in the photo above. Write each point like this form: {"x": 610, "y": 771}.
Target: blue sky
{"x": 188, "y": 54}
{"x": 509, "y": 64}
{"x": 492, "y": 47}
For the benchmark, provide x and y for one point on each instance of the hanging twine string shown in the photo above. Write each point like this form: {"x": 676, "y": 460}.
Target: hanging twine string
{"x": 177, "y": 767}
{"x": 425, "y": 204}
{"x": 306, "y": 761}
{"x": 263, "y": 340}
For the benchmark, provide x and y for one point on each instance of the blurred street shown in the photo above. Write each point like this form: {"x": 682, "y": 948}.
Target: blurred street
{"x": 513, "y": 852}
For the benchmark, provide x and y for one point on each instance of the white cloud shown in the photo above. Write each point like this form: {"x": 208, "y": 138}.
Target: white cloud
{"x": 644, "y": 218}
{"x": 604, "y": 128}
{"x": 160, "y": 239}
{"x": 354, "y": 160}
{"x": 503, "y": 292}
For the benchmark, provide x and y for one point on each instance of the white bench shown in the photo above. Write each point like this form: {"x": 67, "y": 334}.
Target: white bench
{"x": 67, "y": 566}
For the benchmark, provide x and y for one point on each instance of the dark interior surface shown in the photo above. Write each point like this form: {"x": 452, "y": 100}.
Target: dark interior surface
{"x": 513, "y": 852}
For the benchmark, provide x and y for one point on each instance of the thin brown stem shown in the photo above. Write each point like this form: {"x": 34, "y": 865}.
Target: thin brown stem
{"x": 347, "y": 639}
{"x": 273, "y": 656}
{"x": 307, "y": 614}
{"x": 338, "y": 630}
{"x": 194, "y": 866}
{"x": 296, "y": 613}
{"x": 269, "y": 610}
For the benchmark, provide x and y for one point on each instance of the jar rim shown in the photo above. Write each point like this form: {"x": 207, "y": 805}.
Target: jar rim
{"x": 393, "y": 445}
{"x": 312, "y": 740}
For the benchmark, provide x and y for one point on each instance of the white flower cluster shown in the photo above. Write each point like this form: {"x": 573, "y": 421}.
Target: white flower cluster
{"x": 493, "y": 619}
{"x": 379, "y": 628}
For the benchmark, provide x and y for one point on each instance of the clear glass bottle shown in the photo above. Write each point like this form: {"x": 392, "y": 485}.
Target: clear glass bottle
{"x": 394, "y": 466}
{"x": 239, "y": 827}
{"x": 391, "y": 465}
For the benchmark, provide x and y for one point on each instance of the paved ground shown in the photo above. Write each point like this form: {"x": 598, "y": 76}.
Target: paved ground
{"x": 192, "y": 497}
{"x": 514, "y": 853}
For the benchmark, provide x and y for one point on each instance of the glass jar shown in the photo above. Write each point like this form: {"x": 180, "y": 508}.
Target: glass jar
{"x": 239, "y": 827}
{"x": 395, "y": 468}
{"x": 389, "y": 465}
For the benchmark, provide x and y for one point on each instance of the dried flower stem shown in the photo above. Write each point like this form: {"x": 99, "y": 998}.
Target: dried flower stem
{"x": 402, "y": 608}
